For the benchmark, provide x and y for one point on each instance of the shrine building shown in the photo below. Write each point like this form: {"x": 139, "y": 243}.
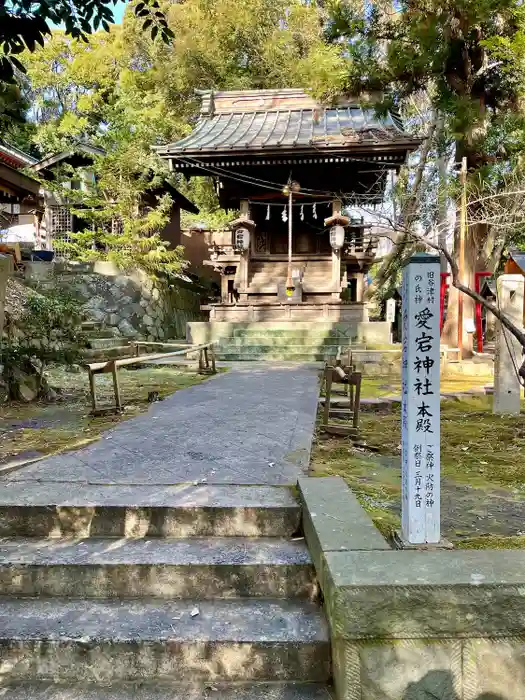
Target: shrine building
{"x": 295, "y": 170}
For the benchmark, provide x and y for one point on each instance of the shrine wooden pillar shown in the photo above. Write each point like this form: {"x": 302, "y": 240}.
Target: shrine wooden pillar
{"x": 336, "y": 255}
{"x": 244, "y": 262}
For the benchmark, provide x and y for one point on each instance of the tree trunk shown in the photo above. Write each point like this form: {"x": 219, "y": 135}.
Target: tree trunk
{"x": 442, "y": 218}
{"x": 449, "y": 336}
{"x": 409, "y": 212}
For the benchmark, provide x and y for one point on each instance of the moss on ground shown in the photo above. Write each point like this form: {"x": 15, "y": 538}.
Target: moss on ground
{"x": 482, "y": 456}
{"x": 40, "y": 428}
{"x": 380, "y": 387}
{"x": 477, "y": 447}
{"x": 492, "y": 542}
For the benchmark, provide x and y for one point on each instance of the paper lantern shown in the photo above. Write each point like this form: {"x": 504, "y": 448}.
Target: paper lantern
{"x": 242, "y": 239}
{"x": 337, "y": 237}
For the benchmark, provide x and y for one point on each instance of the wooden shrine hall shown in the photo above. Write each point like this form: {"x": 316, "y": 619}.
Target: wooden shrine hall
{"x": 291, "y": 167}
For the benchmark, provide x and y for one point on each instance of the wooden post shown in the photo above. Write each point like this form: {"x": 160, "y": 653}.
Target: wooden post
{"x": 244, "y": 262}
{"x": 92, "y": 390}
{"x": 116, "y": 387}
{"x": 328, "y": 394}
{"x": 336, "y": 256}
{"x": 289, "y": 281}
{"x": 201, "y": 364}
{"x": 212, "y": 353}
{"x": 351, "y": 393}
{"x": 206, "y": 359}
{"x": 462, "y": 232}
{"x": 357, "y": 377}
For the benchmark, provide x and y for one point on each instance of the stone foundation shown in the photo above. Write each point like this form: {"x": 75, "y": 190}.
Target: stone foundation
{"x": 413, "y": 625}
{"x": 6, "y": 269}
{"x": 333, "y": 311}
{"x": 349, "y": 331}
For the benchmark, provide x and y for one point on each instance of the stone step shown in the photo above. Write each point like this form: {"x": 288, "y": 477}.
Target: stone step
{"x": 257, "y": 330}
{"x": 181, "y": 568}
{"x": 167, "y": 691}
{"x": 301, "y": 353}
{"x": 95, "y": 641}
{"x": 291, "y": 349}
{"x": 277, "y": 354}
{"x": 32, "y": 509}
{"x": 106, "y": 343}
{"x": 108, "y": 332}
{"x": 91, "y": 326}
{"x": 113, "y": 353}
{"x": 284, "y": 341}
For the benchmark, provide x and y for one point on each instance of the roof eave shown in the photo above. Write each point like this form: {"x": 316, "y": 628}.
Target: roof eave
{"x": 407, "y": 145}
{"x": 81, "y": 151}
{"x": 23, "y": 184}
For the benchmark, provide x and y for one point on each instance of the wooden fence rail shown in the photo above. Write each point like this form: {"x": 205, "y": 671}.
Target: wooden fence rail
{"x": 206, "y": 366}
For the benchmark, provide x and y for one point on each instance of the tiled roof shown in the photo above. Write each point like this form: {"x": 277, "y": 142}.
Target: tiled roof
{"x": 519, "y": 258}
{"x": 79, "y": 154}
{"x": 14, "y": 156}
{"x": 290, "y": 121}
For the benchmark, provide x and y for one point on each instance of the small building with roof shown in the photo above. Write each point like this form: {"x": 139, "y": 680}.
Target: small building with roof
{"x": 292, "y": 168}
{"x": 21, "y": 202}
{"x": 54, "y": 219}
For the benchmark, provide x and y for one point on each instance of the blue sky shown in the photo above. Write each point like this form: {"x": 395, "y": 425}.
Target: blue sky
{"x": 118, "y": 11}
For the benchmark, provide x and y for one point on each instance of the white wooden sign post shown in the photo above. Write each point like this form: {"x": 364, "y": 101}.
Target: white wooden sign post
{"x": 420, "y": 424}
{"x": 391, "y": 315}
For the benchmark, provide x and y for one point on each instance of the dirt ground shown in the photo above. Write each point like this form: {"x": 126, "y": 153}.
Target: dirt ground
{"x": 482, "y": 467}
{"x": 32, "y": 430}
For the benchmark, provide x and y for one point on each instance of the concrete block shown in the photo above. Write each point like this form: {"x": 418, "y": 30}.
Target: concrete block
{"x": 494, "y": 669}
{"x": 400, "y": 670}
{"x": 417, "y": 594}
{"x": 38, "y": 271}
{"x": 334, "y": 521}
{"x": 106, "y": 268}
{"x": 373, "y": 333}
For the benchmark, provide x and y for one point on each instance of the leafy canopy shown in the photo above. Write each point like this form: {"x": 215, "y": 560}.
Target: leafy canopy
{"x": 24, "y": 24}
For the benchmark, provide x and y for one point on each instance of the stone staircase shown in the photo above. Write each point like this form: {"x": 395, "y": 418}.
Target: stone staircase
{"x": 104, "y": 343}
{"x": 315, "y": 343}
{"x": 118, "y": 592}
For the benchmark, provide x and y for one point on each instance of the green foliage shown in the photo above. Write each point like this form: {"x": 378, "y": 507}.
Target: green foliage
{"x": 13, "y": 110}
{"x": 126, "y": 91}
{"x": 467, "y": 57}
{"x": 48, "y": 331}
{"x": 125, "y": 233}
{"x": 52, "y": 327}
{"x": 25, "y": 24}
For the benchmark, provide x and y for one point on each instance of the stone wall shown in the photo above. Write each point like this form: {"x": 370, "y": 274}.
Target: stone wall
{"x": 413, "y": 625}
{"x": 131, "y": 302}
{"x": 6, "y": 269}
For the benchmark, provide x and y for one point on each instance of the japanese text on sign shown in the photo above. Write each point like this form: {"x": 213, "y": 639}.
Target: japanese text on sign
{"x": 420, "y": 401}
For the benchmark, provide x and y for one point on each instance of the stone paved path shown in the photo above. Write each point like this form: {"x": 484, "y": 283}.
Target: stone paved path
{"x": 252, "y": 425}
